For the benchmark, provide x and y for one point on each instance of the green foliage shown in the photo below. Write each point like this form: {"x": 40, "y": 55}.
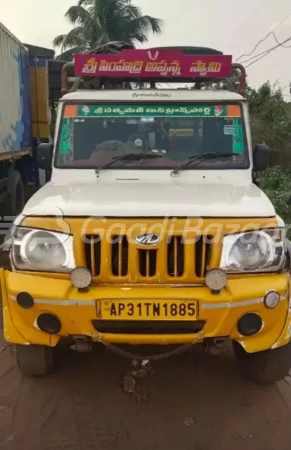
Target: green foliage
{"x": 271, "y": 122}
{"x": 97, "y": 22}
{"x": 276, "y": 183}
{"x": 270, "y": 118}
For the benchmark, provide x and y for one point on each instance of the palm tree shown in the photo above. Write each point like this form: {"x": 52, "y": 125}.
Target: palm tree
{"x": 97, "y": 22}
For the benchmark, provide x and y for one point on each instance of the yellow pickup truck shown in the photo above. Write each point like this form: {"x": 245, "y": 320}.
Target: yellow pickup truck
{"x": 152, "y": 229}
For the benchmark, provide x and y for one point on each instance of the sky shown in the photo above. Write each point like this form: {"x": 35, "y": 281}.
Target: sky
{"x": 232, "y": 26}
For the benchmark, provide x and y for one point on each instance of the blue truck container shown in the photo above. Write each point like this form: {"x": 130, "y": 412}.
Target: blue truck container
{"x": 24, "y": 117}
{"x": 15, "y": 115}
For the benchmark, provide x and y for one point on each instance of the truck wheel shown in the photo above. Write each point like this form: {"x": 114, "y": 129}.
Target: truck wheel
{"x": 264, "y": 367}
{"x": 15, "y": 198}
{"x": 35, "y": 360}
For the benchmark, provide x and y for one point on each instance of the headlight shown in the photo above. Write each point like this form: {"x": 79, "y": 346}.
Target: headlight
{"x": 40, "y": 250}
{"x": 257, "y": 251}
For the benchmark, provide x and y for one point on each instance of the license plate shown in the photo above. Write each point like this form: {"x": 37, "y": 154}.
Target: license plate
{"x": 149, "y": 310}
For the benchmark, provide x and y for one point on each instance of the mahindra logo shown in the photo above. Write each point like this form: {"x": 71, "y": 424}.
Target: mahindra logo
{"x": 154, "y": 56}
{"x": 147, "y": 239}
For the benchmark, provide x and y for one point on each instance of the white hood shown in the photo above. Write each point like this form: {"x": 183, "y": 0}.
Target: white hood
{"x": 136, "y": 198}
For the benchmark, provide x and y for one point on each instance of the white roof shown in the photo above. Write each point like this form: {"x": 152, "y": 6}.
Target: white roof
{"x": 151, "y": 95}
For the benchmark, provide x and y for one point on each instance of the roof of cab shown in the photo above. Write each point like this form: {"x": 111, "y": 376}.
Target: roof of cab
{"x": 151, "y": 95}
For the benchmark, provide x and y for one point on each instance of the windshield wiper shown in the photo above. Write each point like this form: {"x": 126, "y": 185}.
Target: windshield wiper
{"x": 200, "y": 158}
{"x": 129, "y": 157}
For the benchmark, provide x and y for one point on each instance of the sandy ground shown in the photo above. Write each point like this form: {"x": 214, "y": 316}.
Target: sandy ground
{"x": 194, "y": 401}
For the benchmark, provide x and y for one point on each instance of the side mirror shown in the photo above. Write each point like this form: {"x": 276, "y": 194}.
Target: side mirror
{"x": 261, "y": 157}
{"x": 45, "y": 156}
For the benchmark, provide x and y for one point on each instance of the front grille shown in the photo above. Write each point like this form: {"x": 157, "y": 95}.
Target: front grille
{"x": 173, "y": 260}
{"x": 148, "y": 327}
{"x": 202, "y": 255}
{"x": 93, "y": 254}
{"x": 175, "y": 256}
{"x": 119, "y": 256}
{"x": 147, "y": 262}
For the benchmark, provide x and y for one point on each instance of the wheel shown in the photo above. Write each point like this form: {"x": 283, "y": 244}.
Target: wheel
{"x": 35, "y": 360}
{"x": 15, "y": 197}
{"x": 268, "y": 366}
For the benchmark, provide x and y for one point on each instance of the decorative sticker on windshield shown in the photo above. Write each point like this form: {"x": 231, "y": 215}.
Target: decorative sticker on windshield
{"x": 71, "y": 111}
{"x": 66, "y": 134}
{"x": 229, "y": 130}
{"x": 110, "y": 110}
{"x": 238, "y": 138}
{"x": 146, "y": 111}
{"x": 233, "y": 111}
{"x": 220, "y": 111}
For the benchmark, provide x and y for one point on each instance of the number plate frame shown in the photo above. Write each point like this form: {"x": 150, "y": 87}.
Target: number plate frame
{"x": 149, "y": 310}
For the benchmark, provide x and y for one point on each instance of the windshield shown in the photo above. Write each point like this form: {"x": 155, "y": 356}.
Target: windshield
{"x": 92, "y": 135}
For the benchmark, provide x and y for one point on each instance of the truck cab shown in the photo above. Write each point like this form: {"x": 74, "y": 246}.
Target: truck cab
{"x": 151, "y": 230}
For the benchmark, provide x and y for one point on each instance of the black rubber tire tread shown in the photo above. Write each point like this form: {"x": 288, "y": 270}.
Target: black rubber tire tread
{"x": 35, "y": 360}
{"x": 15, "y": 196}
{"x": 266, "y": 367}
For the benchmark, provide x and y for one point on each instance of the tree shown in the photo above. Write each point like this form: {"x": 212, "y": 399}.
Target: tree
{"x": 271, "y": 121}
{"x": 270, "y": 118}
{"x": 276, "y": 183}
{"x": 97, "y": 22}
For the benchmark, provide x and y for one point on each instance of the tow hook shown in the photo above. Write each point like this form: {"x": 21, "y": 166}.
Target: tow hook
{"x": 82, "y": 344}
{"x": 139, "y": 369}
{"x": 216, "y": 346}
{"x": 141, "y": 364}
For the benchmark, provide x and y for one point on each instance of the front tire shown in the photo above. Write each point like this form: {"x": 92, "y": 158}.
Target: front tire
{"x": 35, "y": 360}
{"x": 264, "y": 367}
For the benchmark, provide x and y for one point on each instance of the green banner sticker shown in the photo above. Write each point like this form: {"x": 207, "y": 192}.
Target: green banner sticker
{"x": 238, "y": 138}
{"x": 152, "y": 111}
{"x": 66, "y": 132}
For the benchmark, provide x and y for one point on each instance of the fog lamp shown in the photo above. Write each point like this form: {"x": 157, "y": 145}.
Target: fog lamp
{"x": 272, "y": 299}
{"x": 81, "y": 277}
{"x": 216, "y": 279}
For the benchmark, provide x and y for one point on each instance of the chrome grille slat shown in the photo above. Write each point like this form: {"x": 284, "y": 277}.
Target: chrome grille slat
{"x": 119, "y": 256}
{"x": 202, "y": 255}
{"x": 147, "y": 263}
{"x": 93, "y": 254}
{"x": 176, "y": 256}
{"x": 92, "y": 251}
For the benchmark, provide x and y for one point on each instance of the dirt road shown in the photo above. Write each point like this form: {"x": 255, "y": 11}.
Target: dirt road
{"x": 193, "y": 401}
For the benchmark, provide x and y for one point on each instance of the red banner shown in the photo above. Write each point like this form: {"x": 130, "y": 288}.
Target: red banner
{"x": 153, "y": 64}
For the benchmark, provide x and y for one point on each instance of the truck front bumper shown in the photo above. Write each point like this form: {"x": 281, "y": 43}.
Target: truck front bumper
{"x": 78, "y": 311}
